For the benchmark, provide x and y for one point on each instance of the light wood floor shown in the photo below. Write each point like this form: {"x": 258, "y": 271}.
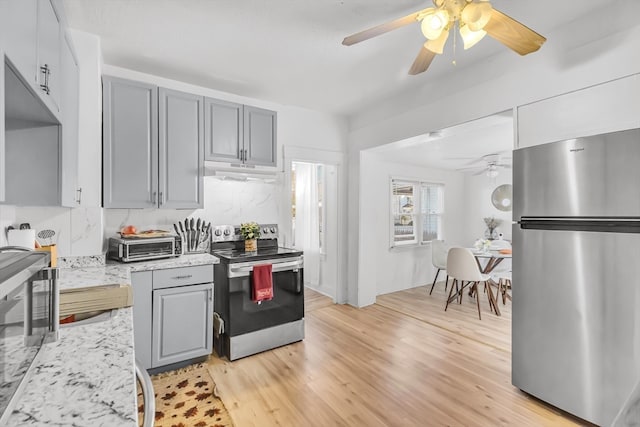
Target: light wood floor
{"x": 400, "y": 362}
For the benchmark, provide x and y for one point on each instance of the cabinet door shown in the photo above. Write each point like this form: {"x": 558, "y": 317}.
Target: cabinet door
{"x": 259, "y": 136}
{"x": 181, "y": 149}
{"x": 49, "y": 53}
{"x": 223, "y": 130}
{"x": 18, "y": 35}
{"x": 69, "y": 146}
{"x": 182, "y": 323}
{"x": 3, "y": 155}
{"x": 129, "y": 144}
{"x": 142, "y": 284}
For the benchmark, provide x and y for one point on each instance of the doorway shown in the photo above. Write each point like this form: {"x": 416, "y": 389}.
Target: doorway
{"x": 314, "y": 200}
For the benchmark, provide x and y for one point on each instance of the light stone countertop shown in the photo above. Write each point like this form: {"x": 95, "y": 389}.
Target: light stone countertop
{"x": 87, "y": 377}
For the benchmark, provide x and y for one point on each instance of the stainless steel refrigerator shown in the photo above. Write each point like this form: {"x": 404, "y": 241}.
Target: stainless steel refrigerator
{"x": 576, "y": 273}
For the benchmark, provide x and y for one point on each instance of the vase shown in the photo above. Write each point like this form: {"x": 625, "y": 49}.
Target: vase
{"x": 250, "y": 245}
{"x": 490, "y": 234}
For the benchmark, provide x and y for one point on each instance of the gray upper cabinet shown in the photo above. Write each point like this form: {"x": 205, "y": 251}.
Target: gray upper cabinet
{"x": 130, "y": 144}
{"x": 181, "y": 149}
{"x": 153, "y": 146}
{"x": 238, "y": 133}
{"x": 223, "y": 130}
{"x": 259, "y": 136}
{"x": 2, "y": 124}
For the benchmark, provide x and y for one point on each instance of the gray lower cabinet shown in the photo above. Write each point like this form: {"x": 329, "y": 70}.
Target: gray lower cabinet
{"x": 182, "y": 323}
{"x": 142, "y": 284}
{"x": 237, "y": 133}
{"x": 153, "y": 146}
{"x": 172, "y": 314}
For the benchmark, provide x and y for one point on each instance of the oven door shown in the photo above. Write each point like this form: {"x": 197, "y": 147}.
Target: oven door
{"x": 286, "y": 306}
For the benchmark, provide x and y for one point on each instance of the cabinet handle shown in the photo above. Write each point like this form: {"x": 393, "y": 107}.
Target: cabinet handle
{"x": 154, "y": 199}
{"x": 242, "y": 155}
{"x": 186, "y": 276}
{"x": 161, "y": 198}
{"x": 245, "y": 155}
{"x": 210, "y": 294}
{"x": 46, "y": 71}
{"x": 79, "y": 195}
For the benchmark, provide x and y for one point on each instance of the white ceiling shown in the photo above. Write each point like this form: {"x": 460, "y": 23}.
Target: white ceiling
{"x": 457, "y": 147}
{"x": 289, "y": 51}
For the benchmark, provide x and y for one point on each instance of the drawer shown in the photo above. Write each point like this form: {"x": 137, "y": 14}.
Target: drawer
{"x": 182, "y": 276}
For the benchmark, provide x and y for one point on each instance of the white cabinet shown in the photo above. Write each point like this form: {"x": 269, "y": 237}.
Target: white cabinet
{"x": 48, "y": 57}
{"x": 2, "y": 134}
{"x": 604, "y": 108}
{"x": 70, "y": 192}
{"x": 18, "y": 34}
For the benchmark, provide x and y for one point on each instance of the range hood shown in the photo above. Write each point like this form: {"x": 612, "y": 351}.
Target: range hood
{"x": 243, "y": 173}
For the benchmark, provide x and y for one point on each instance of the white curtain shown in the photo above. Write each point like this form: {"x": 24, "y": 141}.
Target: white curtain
{"x": 307, "y": 220}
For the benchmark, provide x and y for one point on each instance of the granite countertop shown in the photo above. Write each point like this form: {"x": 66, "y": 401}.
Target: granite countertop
{"x": 87, "y": 377}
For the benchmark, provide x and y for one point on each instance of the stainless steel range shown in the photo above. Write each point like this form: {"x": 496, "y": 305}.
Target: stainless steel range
{"x": 251, "y": 327}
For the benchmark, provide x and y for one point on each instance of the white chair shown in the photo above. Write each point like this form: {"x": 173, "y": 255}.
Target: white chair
{"x": 463, "y": 268}
{"x": 439, "y": 260}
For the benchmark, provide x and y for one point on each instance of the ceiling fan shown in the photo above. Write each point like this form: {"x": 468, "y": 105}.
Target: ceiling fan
{"x": 473, "y": 18}
{"x": 493, "y": 163}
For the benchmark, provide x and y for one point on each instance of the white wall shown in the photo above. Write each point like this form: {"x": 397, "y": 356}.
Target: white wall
{"x": 573, "y": 58}
{"x": 478, "y": 191}
{"x": 82, "y": 231}
{"x": 389, "y": 270}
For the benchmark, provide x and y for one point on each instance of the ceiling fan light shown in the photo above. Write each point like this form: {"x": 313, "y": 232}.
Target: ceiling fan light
{"x": 470, "y": 37}
{"x": 434, "y": 22}
{"x": 476, "y": 15}
{"x": 437, "y": 45}
{"x": 492, "y": 173}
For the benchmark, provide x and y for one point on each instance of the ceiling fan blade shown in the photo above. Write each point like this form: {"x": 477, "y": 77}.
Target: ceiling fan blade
{"x": 513, "y": 34}
{"x": 479, "y": 172}
{"x": 381, "y": 29}
{"x": 422, "y": 61}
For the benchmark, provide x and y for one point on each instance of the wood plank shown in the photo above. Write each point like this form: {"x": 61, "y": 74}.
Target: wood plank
{"x": 402, "y": 361}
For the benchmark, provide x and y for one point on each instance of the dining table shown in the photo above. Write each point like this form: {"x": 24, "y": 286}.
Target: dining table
{"x": 494, "y": 258}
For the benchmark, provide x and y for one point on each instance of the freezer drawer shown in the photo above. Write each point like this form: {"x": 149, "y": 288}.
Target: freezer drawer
{"x": 596, "y": 176}
{"x": 576, "y": 319}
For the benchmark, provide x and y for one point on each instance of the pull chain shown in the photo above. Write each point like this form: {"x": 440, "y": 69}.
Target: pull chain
{"x": 455, "y": 27}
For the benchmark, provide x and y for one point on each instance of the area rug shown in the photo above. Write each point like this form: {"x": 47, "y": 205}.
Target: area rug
{"x": 186, "y": 398}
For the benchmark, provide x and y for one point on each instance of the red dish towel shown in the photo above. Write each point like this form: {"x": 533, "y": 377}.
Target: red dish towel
{"x": 261, "y": 283}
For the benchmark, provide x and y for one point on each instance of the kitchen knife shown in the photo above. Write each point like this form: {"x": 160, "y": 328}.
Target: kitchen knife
{"x": 193, "y": 235}
{"x": 175, "y": 227}
{"x": 185, "y": 235}
{"x": 198, "y": 233}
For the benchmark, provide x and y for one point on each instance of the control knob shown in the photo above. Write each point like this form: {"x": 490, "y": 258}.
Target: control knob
{"x": 273, "y": 230}
{"x": 227, "y": 232}
{"x": 218, "y": 232}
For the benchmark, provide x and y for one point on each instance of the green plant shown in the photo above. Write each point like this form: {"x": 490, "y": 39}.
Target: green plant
{"x": 250, "y": 230}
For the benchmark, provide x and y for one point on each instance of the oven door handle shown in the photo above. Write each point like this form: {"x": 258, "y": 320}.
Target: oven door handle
{"x": 244, "y": 271}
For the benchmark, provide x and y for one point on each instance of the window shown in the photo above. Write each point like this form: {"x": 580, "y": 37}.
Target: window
{"x": 416, "y": 212}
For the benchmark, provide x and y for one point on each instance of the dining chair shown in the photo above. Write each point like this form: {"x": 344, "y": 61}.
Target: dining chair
{"x": 463, "y": 268}
{"x": 439, "y": 260}
{"x": 504, "y": 285}
{"x": 501, "y": 271}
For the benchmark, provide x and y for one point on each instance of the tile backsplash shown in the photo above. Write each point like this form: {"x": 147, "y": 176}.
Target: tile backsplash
{"x": 83, "y": 231}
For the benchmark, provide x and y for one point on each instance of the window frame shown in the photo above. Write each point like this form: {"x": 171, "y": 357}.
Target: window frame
{"x": 418, "y": 214}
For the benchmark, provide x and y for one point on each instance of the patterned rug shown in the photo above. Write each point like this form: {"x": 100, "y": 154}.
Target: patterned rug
{"x": 186, "y": 398}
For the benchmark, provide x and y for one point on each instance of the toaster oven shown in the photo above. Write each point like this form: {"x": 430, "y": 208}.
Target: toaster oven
{"x": 142, "y": 249}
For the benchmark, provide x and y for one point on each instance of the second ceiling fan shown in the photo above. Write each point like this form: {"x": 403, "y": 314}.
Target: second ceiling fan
{"x": 473, "y": 18}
